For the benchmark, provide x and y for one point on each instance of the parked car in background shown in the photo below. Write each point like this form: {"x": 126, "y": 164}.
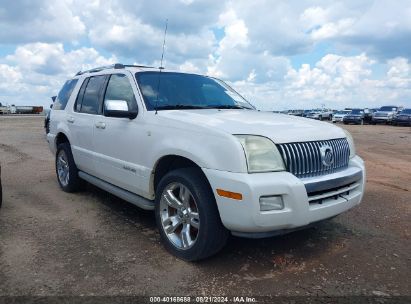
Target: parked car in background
{"x": 384, "y": 115}
{"x": 321, "y": 114}
{"x": 305, "y": 113}
{"x": 47, "y": 118}
{"x": 368, "y": 113}
{"x": 4, "y": 109}
{"x": 402, "y": 118}
{"x": 339, "y": 115}
{"x": 296, "y": 112}
{"x": 356, "y": 116}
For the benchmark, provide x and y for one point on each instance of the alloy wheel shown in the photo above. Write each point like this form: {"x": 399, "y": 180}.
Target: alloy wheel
{"x": 179, "y": 215}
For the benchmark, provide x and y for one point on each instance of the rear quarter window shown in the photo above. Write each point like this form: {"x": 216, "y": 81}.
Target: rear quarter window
{"x": 64, "y": 94}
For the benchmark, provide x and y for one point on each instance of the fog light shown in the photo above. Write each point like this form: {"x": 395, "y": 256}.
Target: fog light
{"x": 268, "y": 203}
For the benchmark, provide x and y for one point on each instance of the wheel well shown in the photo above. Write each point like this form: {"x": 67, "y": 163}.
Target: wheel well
{"x": 169, "y": 163}
{"x": 61, "y": 138}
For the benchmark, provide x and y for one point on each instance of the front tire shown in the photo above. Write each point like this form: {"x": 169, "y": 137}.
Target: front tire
{"x": 187, "y": 216}
{"x": 66, "y": 169}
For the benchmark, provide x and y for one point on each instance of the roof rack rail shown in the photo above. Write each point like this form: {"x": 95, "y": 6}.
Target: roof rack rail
{"x": 98, "y": 69}
{"x": 112, "y": 66}
{"x": 138, "y": 66}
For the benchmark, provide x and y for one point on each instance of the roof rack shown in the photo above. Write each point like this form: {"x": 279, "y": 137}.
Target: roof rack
{"x": 112, "y": 66}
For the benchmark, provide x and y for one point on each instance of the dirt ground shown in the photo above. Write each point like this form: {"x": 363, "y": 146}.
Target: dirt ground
{"x": 92, "y": 243}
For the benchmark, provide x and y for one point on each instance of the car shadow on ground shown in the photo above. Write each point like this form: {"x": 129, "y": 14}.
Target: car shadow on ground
{"x": 285, "y": 250}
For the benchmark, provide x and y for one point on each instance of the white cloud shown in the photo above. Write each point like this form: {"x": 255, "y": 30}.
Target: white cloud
{"x": 37, "y": 71}
{"x": 313, "y": 17}
{"x": 335, "y": 81}
{"x": 10, "y": 78}
{"x": 332, "y": 29}
{"x": 235, "y": 58}
{"x": 30, "y": 21}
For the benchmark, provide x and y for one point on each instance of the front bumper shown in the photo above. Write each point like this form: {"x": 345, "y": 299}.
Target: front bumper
{"x": 300, "y": 207}
{"x": 402, "y": 121}
{"x": 381, "y": 119}
{"x": 352, "y": 120}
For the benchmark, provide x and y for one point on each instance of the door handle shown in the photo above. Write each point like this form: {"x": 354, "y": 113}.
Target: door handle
{"x": 100, "y": 125}
{"x": 70, "y": 119}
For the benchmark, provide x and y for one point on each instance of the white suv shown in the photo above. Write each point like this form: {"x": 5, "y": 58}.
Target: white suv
{"x": 192, "y": 149}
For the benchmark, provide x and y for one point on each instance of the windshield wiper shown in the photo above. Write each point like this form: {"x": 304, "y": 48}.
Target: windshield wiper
{"x": 228, "y": 107}
{"x": 179, "y": 107}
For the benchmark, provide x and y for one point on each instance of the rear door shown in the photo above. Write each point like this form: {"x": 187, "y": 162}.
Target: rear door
{"x": 118, "y": 141}
{"x": 81, "y": 122}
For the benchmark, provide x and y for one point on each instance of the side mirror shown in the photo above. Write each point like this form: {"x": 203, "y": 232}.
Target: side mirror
{"x": 118, "y": 108}
{"x": 53, "y": 98}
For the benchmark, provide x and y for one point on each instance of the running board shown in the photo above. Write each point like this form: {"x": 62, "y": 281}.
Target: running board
{"x": 128, "y": 196}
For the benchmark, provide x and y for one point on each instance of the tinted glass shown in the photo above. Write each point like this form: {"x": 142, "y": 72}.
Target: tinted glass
{"x": 184, "y": 90}
{"x": 356, "y": 111}
{"x": 388, "y": 109}
{"x": 406, "y": 111}
{"x": 90, "y": 102}
{"x": 119, "y": 88}
{"x": 79, "y": 99}
{"x": 64, "y": 95}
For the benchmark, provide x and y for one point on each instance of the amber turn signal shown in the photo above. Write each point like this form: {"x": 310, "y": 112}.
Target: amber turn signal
{"x": 229, "y": 194}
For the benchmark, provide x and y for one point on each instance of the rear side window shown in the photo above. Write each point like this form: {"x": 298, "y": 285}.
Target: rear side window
{"x": 119, "y": 88}
{"x": 64, "y": 95}
{"x": 88, "y": 100}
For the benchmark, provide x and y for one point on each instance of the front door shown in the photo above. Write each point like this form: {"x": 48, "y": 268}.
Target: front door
{"x": 117, "y": 141}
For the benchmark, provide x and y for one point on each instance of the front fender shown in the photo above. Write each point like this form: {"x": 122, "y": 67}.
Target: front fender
{"x": 223, "y": 153}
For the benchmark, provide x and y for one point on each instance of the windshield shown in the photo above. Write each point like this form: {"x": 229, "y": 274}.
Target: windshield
{"x": 356, "y": 111}
{"x": 406, "y": 111}
{"x": 388, "y": 109}
{"x": 166, "y": 91}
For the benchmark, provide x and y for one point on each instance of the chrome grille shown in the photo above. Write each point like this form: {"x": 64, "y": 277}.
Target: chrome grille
{"x": 303, "y": 159}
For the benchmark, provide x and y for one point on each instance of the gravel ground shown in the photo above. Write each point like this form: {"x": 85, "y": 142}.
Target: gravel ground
{"x": 92, "y": 243}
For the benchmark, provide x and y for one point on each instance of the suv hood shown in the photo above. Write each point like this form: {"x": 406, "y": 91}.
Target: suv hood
{"x": 383, "y": 113}
{"x": 280, "y": 128}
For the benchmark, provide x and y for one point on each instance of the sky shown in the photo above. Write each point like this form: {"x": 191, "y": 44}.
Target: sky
{"x": 278, "y": 54}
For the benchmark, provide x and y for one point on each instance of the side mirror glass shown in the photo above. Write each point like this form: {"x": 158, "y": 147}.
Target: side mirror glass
{"x": 118, "y": 108}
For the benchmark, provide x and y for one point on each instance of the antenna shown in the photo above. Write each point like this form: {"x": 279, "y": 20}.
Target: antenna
{"x": 161, "y": 64}
{"x": 164, "y": 44}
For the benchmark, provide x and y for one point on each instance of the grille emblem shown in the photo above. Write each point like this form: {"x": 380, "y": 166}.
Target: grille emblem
{"x": 327, "y": 155}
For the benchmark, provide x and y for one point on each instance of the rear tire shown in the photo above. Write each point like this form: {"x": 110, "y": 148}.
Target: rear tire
{"x": 66, "y": 169}
{"x": 190, "y": 215}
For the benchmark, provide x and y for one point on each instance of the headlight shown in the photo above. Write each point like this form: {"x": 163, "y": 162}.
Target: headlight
{"x": 350, "y": 143}
{"x": 261, "y": 153}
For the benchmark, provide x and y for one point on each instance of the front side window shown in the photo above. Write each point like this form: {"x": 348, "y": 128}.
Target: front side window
{"x": 165, "y": 90}
{"x": 119, "y": 88}
{"x": 90, "y": 102}
{"x": 64, "y": 95}
{"x": 388, "y": 109}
